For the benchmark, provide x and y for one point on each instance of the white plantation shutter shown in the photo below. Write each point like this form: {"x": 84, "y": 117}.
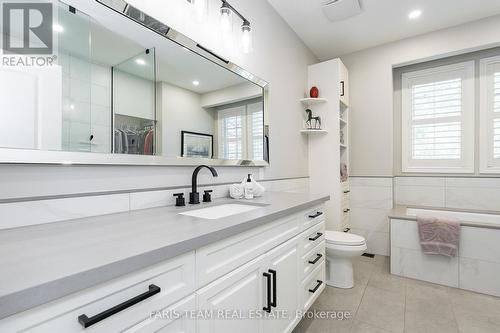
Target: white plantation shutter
{"x": 490, "y": 115}
{"x": 255, "y": 131}
{"x": 231, "y": 128}
{"x": 438, "y": 119}
{"x": 241, "y": 131}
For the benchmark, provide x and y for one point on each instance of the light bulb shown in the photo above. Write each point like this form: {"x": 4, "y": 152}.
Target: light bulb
{"x": 200, "y": 8}
{"x": 246, "y": 37}
{"x": 225, "y": 18}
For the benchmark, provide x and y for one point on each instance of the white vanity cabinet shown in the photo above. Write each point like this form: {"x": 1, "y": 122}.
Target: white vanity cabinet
{"x": 255, "y": 281}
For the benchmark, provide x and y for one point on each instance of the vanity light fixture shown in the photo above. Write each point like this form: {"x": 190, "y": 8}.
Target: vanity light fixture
{"x": 226, "y": 12}
{"x": 140, "y": 62}
{"x": 246, "y": 37}
{"x": 200, "y": 6}
{"x": 415, "y": 14}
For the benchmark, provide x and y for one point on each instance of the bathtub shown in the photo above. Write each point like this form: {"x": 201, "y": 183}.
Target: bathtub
{"x": 477, "y": 266}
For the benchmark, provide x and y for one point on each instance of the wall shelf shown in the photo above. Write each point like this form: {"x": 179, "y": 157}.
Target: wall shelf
{"x": 342, "y": 146}
{"x": 342, "y": 122}
{"x": 313, "y": 131}
{"x": 310, "y": 101}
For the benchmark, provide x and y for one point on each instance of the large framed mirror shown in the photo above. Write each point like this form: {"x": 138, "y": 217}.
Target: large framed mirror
{"x": 127, "y": 89}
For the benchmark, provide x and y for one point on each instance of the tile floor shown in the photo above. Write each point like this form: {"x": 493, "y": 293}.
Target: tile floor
{"x": 383, "y": 303}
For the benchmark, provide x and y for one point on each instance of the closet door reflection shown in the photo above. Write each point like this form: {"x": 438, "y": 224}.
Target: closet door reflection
{"x": 134, "y": 109}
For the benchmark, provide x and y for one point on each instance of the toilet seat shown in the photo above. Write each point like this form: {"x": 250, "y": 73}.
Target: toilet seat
{"x": 343, "y": 238}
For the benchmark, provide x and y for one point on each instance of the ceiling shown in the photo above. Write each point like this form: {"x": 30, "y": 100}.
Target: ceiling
{"x": 85, "y": 38}
{"x": 380, "y": 22}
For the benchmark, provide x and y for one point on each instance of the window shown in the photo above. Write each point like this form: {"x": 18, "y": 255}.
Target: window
{"x": 490, "y": 115}
{"x": 241, "y": 131}
{"x": 438, "y": 119}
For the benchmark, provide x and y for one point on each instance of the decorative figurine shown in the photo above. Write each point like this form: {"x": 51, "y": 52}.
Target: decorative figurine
{"x": 314, "y": 92}
{"x": 310, "y": 118}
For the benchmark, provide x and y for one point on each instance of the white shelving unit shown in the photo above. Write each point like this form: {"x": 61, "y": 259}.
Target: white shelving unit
{"x": 311, "y": 101}
{"x": 313, "y": 131}
{"x": 328, "y": 151}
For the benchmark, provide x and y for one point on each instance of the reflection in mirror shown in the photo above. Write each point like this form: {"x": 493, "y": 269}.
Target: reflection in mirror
{"x": 130, "y": 91}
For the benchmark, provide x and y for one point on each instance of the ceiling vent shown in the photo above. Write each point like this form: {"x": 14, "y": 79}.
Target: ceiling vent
{"x": 338, "y": 10}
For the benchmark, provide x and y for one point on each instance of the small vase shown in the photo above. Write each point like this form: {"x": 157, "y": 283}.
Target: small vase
{"x": 314, "y": 92}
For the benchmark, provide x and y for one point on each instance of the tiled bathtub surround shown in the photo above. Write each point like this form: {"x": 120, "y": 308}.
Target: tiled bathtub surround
{"x": 24, "y": 213}
{"x": 476, "y": 268}
{"x": 463, "y": 193}
{"x": 371, "y": 201}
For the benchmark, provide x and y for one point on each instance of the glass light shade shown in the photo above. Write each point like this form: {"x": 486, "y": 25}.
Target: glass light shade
{"x": 246, "y": 38}
{"x": 226, "y": 19}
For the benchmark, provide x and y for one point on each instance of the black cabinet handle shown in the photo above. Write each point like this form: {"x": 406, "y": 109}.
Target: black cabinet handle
{"x": 275, "y": 298}
{"x": 347, "y": 229}
{"x": 267, "y": 308}
{"x": 347, "y": 210}
{"x": 318, "y": 235}
{"x": 87, "y": 322}
{"x": 315, "y": 215}
{"x": 347, "y": 192}
{"x": 318, "y": 257}
{"x": 317, "y": 287}
{"x": 342, "y": 88}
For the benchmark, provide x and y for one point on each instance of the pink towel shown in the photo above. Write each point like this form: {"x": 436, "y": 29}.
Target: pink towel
{"x": 439, "y": 236}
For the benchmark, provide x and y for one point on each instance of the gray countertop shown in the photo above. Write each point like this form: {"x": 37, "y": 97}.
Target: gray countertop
{"x": 44, "y": 262}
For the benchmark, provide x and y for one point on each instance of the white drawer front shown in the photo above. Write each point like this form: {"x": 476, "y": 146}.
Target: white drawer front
{"x": 215, "y": 260}
{"x": 313, "y": 259}
{"x": 312, "y": 237}
{"x": 174, "y": 277}
{"x": 313, "y": 286}
{"x": 169, "y": 323}
{"x": 312, "y": 217}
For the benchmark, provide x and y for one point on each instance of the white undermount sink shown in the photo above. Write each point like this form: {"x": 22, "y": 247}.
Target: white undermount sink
{"x": 220, "y": 211}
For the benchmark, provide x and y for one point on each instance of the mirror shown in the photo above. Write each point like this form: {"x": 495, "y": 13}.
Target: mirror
{"x": 133, "y": 88}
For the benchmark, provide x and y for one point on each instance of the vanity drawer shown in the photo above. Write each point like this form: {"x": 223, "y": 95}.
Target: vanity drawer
{"x": 159, "y": 286}
{"x": 313, "y": 259}
{"x": 313, "y": 216}
{"x": 313, "y": 286}
{"x": 215, "y": 260}
{"x": 169, "y": 323}
{"x": 312, "y": 237}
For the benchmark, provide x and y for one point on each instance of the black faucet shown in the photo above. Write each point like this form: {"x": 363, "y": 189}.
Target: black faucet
{"x": 194, "y": 196}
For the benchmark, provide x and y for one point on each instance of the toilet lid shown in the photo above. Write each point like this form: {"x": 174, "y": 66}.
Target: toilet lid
{"x": 343, "y": 238}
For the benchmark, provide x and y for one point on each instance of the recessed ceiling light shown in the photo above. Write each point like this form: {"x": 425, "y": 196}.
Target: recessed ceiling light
{"x": 196, "y": 83}
{"x": 57, "y": 28}
{"x": 415, "y": 14}
{"x": 140, "y": 62}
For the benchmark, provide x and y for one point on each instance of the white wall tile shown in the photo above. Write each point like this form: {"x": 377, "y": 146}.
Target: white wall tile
{"x": 404, "y": 234}
{"x": 480, "y": 243}
{"x": 480, "y": 276}
{"x": 371, "y": 197}
{"x": 419, "y": 181}
{"x": 370, "y": 219}
{"x": 100, "y": 95}
{"x": 371, "y": 181}
{"x": 151, "y": 199}
{"x": 417, "y": 265}
{"x": 483, "y": 198}
{"x": 376, "y": 242}
{"x": 44, "y": 211}
{"x": 419, "y": 196}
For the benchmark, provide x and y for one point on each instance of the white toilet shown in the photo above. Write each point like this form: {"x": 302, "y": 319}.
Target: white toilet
{"x": 341, "y": 247}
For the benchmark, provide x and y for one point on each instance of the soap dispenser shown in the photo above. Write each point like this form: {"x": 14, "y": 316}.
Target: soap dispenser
{"x": 248, "y": 190}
